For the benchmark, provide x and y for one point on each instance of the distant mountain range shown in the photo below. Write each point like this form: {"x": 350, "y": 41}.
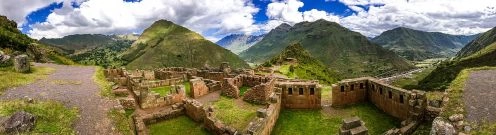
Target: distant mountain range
{"x": 478, "y": 53}
{"x": 347, "y": 52}
{"x": 165, "y": 44}
{"x": 419, "y": 45}
{"x": 237, "y": 43}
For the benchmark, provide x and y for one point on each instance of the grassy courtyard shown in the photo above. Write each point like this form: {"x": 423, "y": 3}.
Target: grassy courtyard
{"x": 10, "y": 78}
{"x": 328, "y": 120}
{"x": 51, "y": 117}
{"x": 181, "y": 125}
{"x": 235, "y": 112}
{"x": 163, "y": 90}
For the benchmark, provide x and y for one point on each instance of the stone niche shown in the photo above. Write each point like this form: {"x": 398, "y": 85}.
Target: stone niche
{"x": 21, "y": 64}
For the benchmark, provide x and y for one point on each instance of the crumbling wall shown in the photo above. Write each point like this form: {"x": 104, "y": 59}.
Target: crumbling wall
{"x": 196, "y": 111}
{"x": 140, "y": 121}
{"x": 266, "y": 117}
{"x": 300, "y": 94}
{"x": 260, "y": 94}
{"x": 229, "y": 88}
{"x": 150, "y": 99}
{"x": 218, "y": 76}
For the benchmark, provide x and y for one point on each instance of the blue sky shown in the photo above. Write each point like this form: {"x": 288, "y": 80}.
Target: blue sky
{"x": 215, "y": 19}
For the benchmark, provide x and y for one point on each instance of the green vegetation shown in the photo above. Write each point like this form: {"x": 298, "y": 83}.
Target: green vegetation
{"x": 348, "y": 53}
{"x": 181, "y": 125}
{"x": 10, "y": 78}
{"x": 187, "y": 87}
{"x": 105, "y": 86}
{"x": 423, "y": 129}
{"x": 106, "y": 55}
{"x": 163, "y": 90}
{"x": 78, "y": 42}
{"x": 11, "y": 37}
{"x": 235, "y": 112}
{"x": 122, "y": 121}
{"x": 242, "y": 90}
{"x": 51, "y": 117}
{"x": 483, "y": 41}
{"x": 419, "y": 45}
{"x": 165, "y": 44}
{"x": 317, "y": 122}
{"x": 305, "y": 67}
{"x": 412, "y": 83}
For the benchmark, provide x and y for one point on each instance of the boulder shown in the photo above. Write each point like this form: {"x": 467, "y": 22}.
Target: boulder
{"x": 19, "y": 122}
{"x": 456, "y": 117}
{"x": 441, "y": 126}
{"x": 21, "y": 64}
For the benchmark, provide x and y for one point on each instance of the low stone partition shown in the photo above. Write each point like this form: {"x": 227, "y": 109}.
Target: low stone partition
{"x": 196, "y": 111}
{"x": 141, "y": 121}
{"x": 300, "y": 94}
{"x": 266, "y": 117}
{"x": 353, "y": 126}
{"x": 218, "y": 76}
{"x": 260, "y": 94}
{"x": 150, "y": 99}
{"x": 200, "y": 86}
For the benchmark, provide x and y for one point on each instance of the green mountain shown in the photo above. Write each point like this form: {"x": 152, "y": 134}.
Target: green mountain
{"x": 79, "y": 43}
{"x": 471, "y": 56}
{"x": 420, "y": 45}
{"x": 13, "y": 42}
{"x": 305, "y": 67}
{"x": 165, "y": 44}
{"x": 478, "y": 44}
{"x": 347, "y": 52}
{"x": 93, "y": 49}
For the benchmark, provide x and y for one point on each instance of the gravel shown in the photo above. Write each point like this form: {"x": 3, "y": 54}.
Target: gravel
{"x": 85, "y": 96}
{"x": 480, "y": 96}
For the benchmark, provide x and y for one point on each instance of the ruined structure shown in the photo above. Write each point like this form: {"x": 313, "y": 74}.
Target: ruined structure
{"x": 353, "y": 126}
{"x": 21, "y": 64}
{"x": 405, "y": 105}
{"x": 297, "y": 94}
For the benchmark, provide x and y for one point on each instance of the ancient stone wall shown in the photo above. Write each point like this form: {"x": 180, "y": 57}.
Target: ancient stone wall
{"x": 229, "y": 88}
{"x": 194, "y": 110}
{"x": 397, "y": 102}
{"x": 140, "y": 121}
{"x": 150, "y": 99}
{"x": 260, "y": 94}
{"x": 300, "y": 94}
{"x": 266, "y": 117}
{"x": 218, "y": 76}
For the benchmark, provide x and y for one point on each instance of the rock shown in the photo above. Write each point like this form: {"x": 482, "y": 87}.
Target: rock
{"x": 19, "y": 122}
{"x": 21, "y": 64}
{"x": 441, "y": 126}
{"x": 467, "y": 128}
{"x": 456, "y": 117}
{"x": 28, "y": 99}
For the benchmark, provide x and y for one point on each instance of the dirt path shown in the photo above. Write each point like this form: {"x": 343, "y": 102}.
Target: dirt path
{"x": 73, "y": 86}
{"x": 480, "y": 96}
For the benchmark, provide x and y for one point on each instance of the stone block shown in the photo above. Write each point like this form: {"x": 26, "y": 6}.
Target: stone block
{"x": 361, "y": 130}
{"x": 262, "y": 113}
{"x": 19, "y": 122}
{"x": 456, "y": 117}
{"x": 352, "y": 122}
{"x": 21, "y": 64}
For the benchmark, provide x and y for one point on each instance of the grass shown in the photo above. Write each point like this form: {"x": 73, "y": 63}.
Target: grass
{"x": 51, "y": 117}
{"x": 187, "y": 88}
{"x": 242, "y": 90}
{"x": 105, "y": 86}
{"x": 67, "y": 82}
{"x": 284, "y": 69}
{"x": 412, "y": 83}
{"x": 121, "y": 121}
{"x": 423, "y": 129}
{"x": 10, "y": 78}
{"x": 316, "y": 122}
{"x": 163, "y": 90}
{"x": 181, "y": 125}
{"x": 232, "y": 113}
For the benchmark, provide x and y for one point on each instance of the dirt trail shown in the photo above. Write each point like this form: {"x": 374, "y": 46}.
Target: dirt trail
{"x": 74, "y": 87}
{"x": 480, "y": 95}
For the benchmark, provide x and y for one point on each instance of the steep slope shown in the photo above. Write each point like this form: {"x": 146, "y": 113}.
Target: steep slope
{"x": 347, "y": 52}
{"x": 305, "y": 67}
{"x": 478, "y": 44}
{"x": 165, "y": 44}
{"x": 13, "y": 42}
{"x": 419, "y": 45}
{"x": 79, "y": 43}
{"x": 106, "y": 55}
{"x": 237, "y": 43}
{"x": 447, "y": 71}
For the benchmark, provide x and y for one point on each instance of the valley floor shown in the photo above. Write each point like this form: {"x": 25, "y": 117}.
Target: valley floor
{"x": 74, "y": 87}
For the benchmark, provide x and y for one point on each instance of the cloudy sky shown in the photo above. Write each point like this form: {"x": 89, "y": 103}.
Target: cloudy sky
{"x": 215, "y": 19}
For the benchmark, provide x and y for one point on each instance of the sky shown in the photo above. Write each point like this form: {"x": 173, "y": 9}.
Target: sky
{"x": 215, "y": 19}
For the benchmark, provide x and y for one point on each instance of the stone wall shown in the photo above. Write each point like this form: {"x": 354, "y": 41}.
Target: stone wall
{"x": 218, "y": 76}
{"x": 150, "y": 99}
{"x": 196, "y": 111}
{"x": 230, "y": 88}
{"x": 141, "y": 121}
{"x": 266, "y": 117}
{"x": 397, "y": 102}
{"x": 300, "y": 94}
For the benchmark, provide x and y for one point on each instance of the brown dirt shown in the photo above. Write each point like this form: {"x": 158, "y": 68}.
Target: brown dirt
{"x": 480, "y": 96}
{"x": 84, "y": 95}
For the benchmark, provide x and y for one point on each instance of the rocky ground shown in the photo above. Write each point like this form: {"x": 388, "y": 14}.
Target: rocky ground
{"x": 73, "y": 86}
{"x": 480, "y": 96}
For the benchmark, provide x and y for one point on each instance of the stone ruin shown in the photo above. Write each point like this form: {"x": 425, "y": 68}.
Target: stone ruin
{"x": 353, "y": 126}
{"x": 21, "y": 64}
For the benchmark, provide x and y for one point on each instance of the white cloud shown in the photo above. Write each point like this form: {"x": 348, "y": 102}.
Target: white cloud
{"x": 117, "y": 16}
{"x": 17, "y": 10}
{"x": 287, "y": 12}
{"x": 447, "y": 16}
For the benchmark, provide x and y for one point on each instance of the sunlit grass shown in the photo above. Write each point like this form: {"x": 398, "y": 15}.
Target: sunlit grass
{"x": 9, "y": 78}
{"x": 181, "y": 125}
{"x": 235, "y": 115}
{"x": 101, "y": 81}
